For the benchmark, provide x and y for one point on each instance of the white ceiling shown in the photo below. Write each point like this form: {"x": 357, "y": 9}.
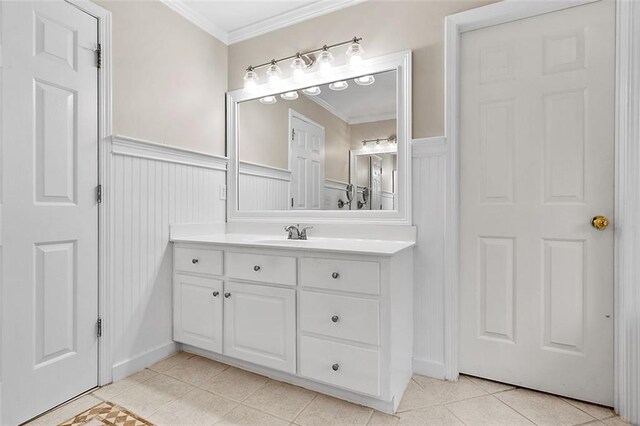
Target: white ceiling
{"x": 232, "y": 21}
{"x": 362, "y": 104}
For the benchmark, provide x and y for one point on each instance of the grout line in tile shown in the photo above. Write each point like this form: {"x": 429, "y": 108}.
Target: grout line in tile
{"x": 305, "y": 407}
{"x": 453, "y": 414}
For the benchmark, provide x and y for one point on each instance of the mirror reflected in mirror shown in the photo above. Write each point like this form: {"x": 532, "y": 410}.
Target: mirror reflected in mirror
{"x": 330, "y": 147}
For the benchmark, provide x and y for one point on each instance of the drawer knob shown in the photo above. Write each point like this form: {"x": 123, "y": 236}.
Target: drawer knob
{"x": 216, "y": 293}
{"x": 335, "y": 367}
{"x": 227, "y": 295}
{"x": 194, "y": 261}
{"x": 335, "y": 275}
{"x": 256, "y": 268}
{"x": 335, "y": 318}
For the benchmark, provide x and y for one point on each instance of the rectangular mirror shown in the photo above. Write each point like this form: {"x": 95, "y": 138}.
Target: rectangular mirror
{"x": 335, "y": 147}
{"x": 295, "y": 147}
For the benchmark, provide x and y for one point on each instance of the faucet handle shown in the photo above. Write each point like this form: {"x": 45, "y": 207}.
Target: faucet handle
{"x": 303, "y": 232}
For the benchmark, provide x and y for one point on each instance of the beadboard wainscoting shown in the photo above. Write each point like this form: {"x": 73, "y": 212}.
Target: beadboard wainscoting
{"x": 429, "y": 171}
{"x": 334, "y": 190}
{"x": 263, "y": 187}
{"x": 151, "y": 187}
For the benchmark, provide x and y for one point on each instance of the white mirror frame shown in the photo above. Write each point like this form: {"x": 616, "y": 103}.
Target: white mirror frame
{"x": 401, "y": 63}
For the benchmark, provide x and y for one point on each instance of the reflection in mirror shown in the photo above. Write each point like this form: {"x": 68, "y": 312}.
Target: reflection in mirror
{"x": 331, "y": 147}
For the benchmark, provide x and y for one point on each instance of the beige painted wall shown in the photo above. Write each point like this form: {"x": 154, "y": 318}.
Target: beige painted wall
{"x": 169, "y": 77}
{"x": 264, "y": 135}
{"x": 386, "y": 26}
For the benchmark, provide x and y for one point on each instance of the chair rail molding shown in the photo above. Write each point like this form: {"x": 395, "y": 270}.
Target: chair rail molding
{"x": 627, "y": 191}
{"x": 151, "y": 186}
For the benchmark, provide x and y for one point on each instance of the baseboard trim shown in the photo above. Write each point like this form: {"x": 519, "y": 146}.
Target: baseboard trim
{"x": 425, "y": 367}
{"x": 140, "y": 362}
{"x": 384, "y": 406}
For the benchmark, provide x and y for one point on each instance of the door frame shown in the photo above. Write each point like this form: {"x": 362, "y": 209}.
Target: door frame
{"x": 295, "y": 114}
{"x": 627, "y": 182}
{"x": 105, "y": 229}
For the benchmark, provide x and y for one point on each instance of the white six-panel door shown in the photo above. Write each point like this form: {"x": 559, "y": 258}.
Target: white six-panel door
{"x": 537, "y": 155}
{"x": 50, "y": 214}
{"x": 306, "y": 162}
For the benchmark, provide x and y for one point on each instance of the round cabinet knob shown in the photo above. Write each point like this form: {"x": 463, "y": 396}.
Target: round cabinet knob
{"x": 194, "y": 261}
{"x": 335, "y": 367}
{"x": 216, "y": 293}
{"x": 335, "y": 275}
{"x": 335, "y": 318}
{"x": 600, "y": 222}
{"x": 256, "y": 268}
{"x": 227, "y": 295}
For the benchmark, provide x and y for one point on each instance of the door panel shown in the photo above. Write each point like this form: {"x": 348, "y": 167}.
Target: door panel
{"x": 50, "y": 214}
{"x": 537, "y": 156}
{"x": 259, "y": 325}
{"x": 198, "y": 312}
{"x": 306, "y": 161}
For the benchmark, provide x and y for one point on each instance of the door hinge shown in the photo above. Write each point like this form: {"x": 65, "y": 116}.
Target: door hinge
{"x": 99, "y": 193}
{"x": 291, "y": 201}
{"x": 293, "y": 134}
{"x": 99, "y": 327}
{"x": 99, "y": 56}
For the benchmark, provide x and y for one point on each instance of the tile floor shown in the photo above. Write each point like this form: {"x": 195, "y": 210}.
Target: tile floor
{"x": 189, "y": 390}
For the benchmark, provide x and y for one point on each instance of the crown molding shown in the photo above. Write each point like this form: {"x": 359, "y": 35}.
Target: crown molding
{"x": 264, "y": 26}
{"x": 326, "y": 105}
{"x": 292, "y": 17}
{"x": 197, "y": 19}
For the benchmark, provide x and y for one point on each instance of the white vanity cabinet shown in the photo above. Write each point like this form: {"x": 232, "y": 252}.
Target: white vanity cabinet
{"x": 336, "y": 322}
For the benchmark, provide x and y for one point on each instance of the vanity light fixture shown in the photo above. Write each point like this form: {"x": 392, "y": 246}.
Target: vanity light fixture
{"x": 302, "y": 61}
{"x": 250, "y": 79}
{"x": 290, "y": 96}
{"x": 312, "y": 91}
{"x": 268, "y": 100}
{"x": 274, "y": 72}
{"x": 338, "y": 85}
{"x": 298, "y": 66}
{"x": 355, "y": 52}
{"x": 390, "y": 140}
{"x": 365, "y": 80}
{"x": 324, "y": 59}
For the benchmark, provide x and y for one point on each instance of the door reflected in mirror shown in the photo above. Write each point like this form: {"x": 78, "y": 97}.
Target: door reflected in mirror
{"x": 331, "y": 147}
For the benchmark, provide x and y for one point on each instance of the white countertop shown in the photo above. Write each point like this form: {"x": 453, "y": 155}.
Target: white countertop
{"x": 340, "y": 245}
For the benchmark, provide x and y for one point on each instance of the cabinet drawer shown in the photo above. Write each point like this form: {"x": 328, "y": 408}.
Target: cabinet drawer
{"x": 197, "y": 261}
{"x": 341, "y": 365}
{"x": 260, "y": 267}
{"x": 345, "y": 275}
{"x": 344, "y": 317}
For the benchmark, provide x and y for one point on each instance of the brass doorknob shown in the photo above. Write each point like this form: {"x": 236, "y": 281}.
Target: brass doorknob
{"x": 600, "y": 222}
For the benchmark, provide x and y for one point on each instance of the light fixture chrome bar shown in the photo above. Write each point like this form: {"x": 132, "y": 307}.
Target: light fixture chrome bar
{"x": 389, "y": 139}
{"x": 309, "y": 52}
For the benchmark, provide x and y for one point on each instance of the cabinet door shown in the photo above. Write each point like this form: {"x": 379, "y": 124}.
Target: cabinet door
{"x": 197, "y": 312}
{"x": 260, "y": 325}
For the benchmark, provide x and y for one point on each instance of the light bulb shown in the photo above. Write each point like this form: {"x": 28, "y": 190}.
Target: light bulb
{"x": 312, "y": 91}
{"x": 290, "y": 96}
{"x": 274, "y": 72}
{"x": 365, "y": 80}
{"x": 325, "y": 58}
{"x": 298, "y": 66}
{"x": 355, "y": 52}
{"x": 268, "y": 100}
{"x": 250, "y": 79}
{"x": 338, "y": 85}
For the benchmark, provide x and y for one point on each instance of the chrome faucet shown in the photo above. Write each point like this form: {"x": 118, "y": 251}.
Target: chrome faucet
{"x": 295, "y": 233}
